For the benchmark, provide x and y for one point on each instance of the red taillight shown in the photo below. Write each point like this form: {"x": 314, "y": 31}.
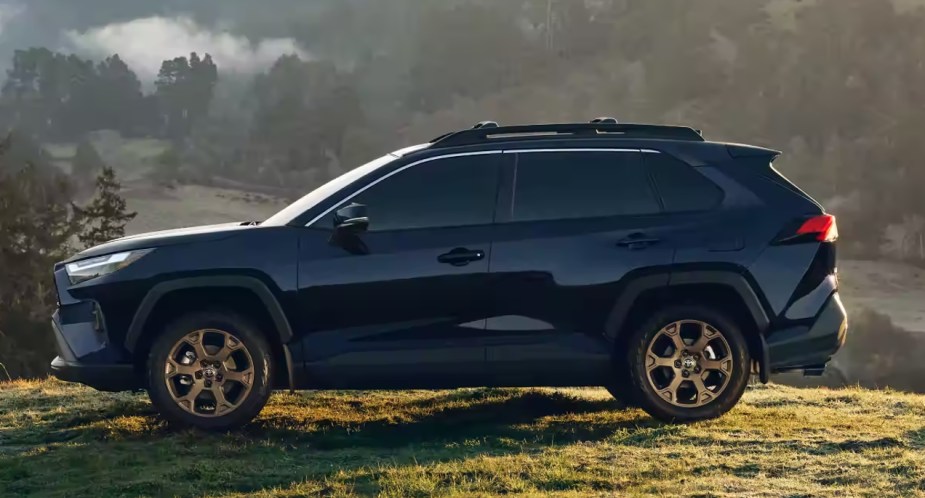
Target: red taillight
{"x": 822, "y": 228}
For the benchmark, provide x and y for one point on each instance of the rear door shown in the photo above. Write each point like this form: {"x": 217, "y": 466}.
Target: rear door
{"x": 573, "y": 225}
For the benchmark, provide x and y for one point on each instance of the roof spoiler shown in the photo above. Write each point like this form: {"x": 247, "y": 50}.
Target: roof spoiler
{"x": 742, "y": 150}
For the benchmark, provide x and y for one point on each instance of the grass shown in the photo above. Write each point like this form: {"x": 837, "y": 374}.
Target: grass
{"x": 58, "y": 439}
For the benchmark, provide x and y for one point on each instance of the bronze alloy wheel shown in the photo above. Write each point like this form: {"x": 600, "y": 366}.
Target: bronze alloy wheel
{"x": 688, "y": 363}
{"x": 209, "y": 372}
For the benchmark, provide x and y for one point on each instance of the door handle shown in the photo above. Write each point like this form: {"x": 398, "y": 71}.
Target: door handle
{"x": 461, "y": 256}
{"x": 637, "y": 241}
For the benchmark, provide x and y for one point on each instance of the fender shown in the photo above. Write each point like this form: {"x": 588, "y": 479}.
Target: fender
{"x": 667, "y": 279}
{"x": 160, "y": 290}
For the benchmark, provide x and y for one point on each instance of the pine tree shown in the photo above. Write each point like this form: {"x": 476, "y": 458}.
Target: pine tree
{"x": 104, "y": 219}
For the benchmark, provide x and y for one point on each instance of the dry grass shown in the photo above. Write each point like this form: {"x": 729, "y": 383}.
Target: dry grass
{"x": 63, "y": 440}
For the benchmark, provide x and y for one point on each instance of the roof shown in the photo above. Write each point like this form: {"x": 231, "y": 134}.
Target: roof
{"x": 487, "y": 131}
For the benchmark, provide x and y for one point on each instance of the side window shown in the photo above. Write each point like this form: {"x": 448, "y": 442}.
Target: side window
{"x": 680, "y": 186}
{"x": 456, "y": 191}
{"x": 569, "y": 185}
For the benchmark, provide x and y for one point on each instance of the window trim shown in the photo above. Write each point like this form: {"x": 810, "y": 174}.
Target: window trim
{"x": 508, "y": 209}
{"x": 393, "y": 173}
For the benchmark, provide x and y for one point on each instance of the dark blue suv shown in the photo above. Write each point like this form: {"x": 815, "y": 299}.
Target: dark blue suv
{"x": 637, "y": 257}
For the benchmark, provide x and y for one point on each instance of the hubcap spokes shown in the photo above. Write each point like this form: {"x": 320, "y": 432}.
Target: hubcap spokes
{"x": 688, "y": 363}
{"x": 209, "y": 372}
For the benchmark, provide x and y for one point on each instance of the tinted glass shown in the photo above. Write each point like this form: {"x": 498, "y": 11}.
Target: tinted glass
{"x": 564, "y": 185}
{"x": 681, "y": 187}
{"x": 457, "y": 191}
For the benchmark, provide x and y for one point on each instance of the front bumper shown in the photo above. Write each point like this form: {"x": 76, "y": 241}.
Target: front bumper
{"x": 810, "y": 346}
{"x": 84, "y": 355}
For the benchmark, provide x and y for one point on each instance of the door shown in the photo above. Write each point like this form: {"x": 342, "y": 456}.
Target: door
{"x": 404, "y": 305}
{"x": 573, "y": 225}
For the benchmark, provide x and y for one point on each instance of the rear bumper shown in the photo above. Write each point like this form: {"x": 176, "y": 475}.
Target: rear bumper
{"x": 106, "y": 377}
{"x": 810, "y": 346}
{"x": 85, "y": 357}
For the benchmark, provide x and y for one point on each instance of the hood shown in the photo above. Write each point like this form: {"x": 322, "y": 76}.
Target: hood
{"x": 164, "y": 238}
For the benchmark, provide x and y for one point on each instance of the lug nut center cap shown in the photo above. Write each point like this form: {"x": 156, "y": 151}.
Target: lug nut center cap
{"x": 689, "y": 362}
{"x": 209, "y": 372}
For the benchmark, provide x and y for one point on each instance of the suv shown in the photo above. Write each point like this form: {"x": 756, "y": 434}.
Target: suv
{"x": 637, "y": 257}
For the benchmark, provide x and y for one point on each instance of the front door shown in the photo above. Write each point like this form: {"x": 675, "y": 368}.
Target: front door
{"x": 409, "y": 307}
{"x": 573, "y": 226}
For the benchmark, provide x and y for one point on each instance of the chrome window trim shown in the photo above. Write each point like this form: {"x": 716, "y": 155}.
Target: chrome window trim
{"x": 584, "y": 149}
{"x": 397, "y": 171}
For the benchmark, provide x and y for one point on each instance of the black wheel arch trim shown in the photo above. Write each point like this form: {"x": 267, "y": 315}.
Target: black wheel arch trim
{"x": 266, "y": 296}
{"x": 667, "y": 278}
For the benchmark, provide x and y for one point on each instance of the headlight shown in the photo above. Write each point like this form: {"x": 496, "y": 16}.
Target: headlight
{"x": 81, "y": 271}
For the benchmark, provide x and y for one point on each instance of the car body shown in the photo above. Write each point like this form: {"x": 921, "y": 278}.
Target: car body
{"x": 497, "y": 256}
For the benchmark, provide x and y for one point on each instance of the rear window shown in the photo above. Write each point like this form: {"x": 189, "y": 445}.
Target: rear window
{"x": 571, "y": 185}
{"x": 680, "y": 186}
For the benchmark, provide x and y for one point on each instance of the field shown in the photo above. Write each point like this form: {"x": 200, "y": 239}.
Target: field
{"x": 63, "y": 440}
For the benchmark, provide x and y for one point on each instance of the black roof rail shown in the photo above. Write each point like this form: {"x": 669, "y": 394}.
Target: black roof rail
{"x": 483, "y": 133}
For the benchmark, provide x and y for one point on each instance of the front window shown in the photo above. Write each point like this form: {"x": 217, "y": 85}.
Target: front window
{"x": 442, "y": 193}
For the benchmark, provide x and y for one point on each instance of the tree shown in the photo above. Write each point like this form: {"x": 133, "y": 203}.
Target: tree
{"x": 104, "y": 219}
{"x": 304, "y": 109}
{"x": 57, "y": 96}
{"x": 185, "y": 88}
{"x": 118, "y": 97}
{"x": 36, "y": 227}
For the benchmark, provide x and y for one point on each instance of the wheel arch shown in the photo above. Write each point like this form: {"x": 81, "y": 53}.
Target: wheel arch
{"x": 185, "y": 294}
{"x": 711, "y": 287}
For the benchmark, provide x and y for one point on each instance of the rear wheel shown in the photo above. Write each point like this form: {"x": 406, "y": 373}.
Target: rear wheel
{"x": 210, "y": 370}
{"x": 688, "y": 363}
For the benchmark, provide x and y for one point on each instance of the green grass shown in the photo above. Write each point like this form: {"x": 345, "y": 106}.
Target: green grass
{"x": 58, "y": 439}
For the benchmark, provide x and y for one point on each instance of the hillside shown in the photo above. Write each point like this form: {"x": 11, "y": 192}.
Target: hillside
{"x": 63, "y": 440}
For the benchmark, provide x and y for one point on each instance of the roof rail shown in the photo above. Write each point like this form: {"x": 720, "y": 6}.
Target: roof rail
{"x": 484, "y": 132}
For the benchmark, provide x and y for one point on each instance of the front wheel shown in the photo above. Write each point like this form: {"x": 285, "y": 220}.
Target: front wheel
{"x": 210, "y": 370}
{"x": 688, "y": 363}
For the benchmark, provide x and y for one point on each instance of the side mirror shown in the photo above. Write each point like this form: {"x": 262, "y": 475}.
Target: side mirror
{"x": 351, "y": 218}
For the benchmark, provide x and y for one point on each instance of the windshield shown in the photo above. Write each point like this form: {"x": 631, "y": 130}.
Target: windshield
{"x": 321, "y": 193}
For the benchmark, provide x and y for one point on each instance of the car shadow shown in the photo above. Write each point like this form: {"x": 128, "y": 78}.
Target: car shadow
{"x": 538, "y": 417}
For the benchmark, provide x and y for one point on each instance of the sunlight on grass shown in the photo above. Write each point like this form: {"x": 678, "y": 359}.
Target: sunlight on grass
{"x": 59, "y": 439}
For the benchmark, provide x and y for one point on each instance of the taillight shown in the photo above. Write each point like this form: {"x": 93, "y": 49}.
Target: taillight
{"x": 823, "y": 228}
{"x": 820, "y": 228}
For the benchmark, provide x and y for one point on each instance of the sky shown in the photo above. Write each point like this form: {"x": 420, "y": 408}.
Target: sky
{"x": 144, "y": 33}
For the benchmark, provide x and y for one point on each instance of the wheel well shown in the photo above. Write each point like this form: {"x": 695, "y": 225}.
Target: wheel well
{"x": 719, "y": 296}
{"x": 242, "y": 300}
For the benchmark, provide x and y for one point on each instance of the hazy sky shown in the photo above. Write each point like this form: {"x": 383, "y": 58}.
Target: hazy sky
{"x": 145, "y": 32}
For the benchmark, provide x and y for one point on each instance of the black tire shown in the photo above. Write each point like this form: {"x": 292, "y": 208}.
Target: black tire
{"x": 645, "y": 394}
{"x": 255, "y": 346}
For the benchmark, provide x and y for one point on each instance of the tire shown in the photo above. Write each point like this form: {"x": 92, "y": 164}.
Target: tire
{"x": 722, "y": 363}
{"x": 238, "y": 362}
